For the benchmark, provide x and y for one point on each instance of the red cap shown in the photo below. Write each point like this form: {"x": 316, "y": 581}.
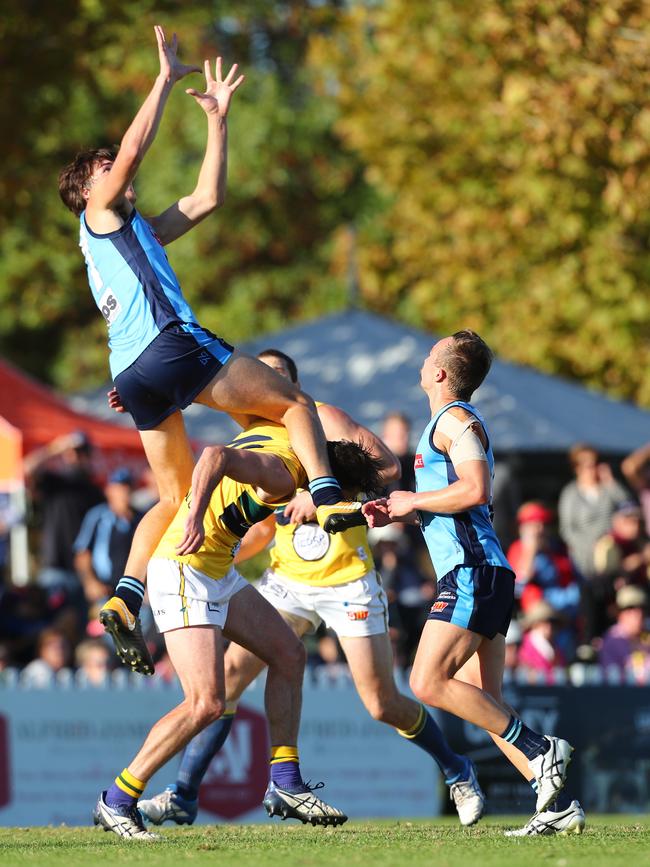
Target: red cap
{"x": 534, "y": 512}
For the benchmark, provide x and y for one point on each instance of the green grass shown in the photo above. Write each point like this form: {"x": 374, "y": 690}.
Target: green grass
{"x": 607, "y": 841}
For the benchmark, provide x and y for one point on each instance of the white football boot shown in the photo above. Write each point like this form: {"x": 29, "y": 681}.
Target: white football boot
{"x": 168, "y": 806}
{"x": 469, "y": 799}
{"x": 301, "y": 804}
{"x": 123, "y": 821}
{"x": 569, "y": 821}
{"x": 550, "y": 770}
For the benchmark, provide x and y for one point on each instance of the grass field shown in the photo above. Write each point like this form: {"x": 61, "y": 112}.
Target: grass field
{"x": 607, "y": 841}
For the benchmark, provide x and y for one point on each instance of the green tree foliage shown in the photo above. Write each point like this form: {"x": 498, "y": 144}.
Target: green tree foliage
{"x": 492, "y": 156}
{"x": 75, "y": 77}
{"x": 509, "y": 141}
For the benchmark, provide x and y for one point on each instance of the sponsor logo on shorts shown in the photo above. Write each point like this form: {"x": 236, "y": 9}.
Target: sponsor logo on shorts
{"x": 358, "y": 615}
{"x": 212, "y": 606}
{"x": 418, "y": 464}
{"x": 439, "y": 606}
{"x": 204, "y": 358}
{"x": 160, "y": 612}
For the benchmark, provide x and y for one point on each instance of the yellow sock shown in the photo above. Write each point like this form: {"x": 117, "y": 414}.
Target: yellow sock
{"x": 284, "y": 754}
{"x": 417, "y": 728}
{"x": 129, "y": 784}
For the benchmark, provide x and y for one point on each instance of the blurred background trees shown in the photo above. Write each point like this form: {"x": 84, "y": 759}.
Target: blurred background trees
{"x": 479, "y": 164}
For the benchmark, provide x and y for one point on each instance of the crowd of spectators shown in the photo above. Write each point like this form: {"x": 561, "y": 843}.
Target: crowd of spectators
{"x": 582, "y": 568}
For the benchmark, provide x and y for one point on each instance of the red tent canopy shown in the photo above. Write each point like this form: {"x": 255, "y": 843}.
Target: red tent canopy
{"x": 41, "y": 416}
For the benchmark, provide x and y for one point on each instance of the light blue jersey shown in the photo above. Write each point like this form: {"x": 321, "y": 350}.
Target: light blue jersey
{"x": 134, "y": 287}
{"x": 463, "y": 538}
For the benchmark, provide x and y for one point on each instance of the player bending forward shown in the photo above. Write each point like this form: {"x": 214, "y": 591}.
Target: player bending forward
{"x": 197, "y": 598}
{"x": 161, "y": 359}
{"x": 315, "y": 577}
{"x": 459, "y": 662}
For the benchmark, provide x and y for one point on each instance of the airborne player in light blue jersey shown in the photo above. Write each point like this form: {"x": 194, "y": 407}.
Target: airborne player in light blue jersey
{"x": 459, "y": 663}
{"x": 161, "y": 359}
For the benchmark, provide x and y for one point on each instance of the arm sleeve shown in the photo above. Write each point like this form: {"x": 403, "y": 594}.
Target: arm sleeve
{"x": 86, "y": 535}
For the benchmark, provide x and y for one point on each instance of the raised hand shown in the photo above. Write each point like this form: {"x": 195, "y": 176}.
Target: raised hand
{"x": 170, "y": 66}
{"x": 218, "y": 90}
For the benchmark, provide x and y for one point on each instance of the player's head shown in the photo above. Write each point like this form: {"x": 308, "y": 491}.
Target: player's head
{"x": 460, "y": 362}
{"x": 88, "y": 168}
{"x": 280, "y": 362}
{"x": 354, "y": 468}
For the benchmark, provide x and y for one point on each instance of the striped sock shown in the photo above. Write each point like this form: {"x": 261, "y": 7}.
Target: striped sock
{"x": 131, "y": 592}
{"x": 325, "y": 491}
{"x": 285, "y": 767}
{"x": 529, "y": 742}
{"x": 125, "y": 791}
{"x": 428, "y": 736}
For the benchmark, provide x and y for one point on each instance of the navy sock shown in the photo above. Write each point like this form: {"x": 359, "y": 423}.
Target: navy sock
{"x": 325, "y": 491}
{"x": 131, "y": 592}
{"x": 529, "y": 742}
{"x": 199, "y": 753}
{"x": 427, "y": 735}
{"x": 285, "y": 767}
{"x": 560, "y": 804}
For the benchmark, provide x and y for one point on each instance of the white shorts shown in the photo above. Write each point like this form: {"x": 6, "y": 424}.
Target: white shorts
{"x": 182, "y": 596}
{"x": 354, "y": 609}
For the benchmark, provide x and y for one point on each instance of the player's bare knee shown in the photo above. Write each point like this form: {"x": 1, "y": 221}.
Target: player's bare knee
{"x": 205, "y": 709}
{"x": 171, "y": 499}
{"x": 291, "y": 657}
{"x": 430, "y": 689}
{"x": 300, "y": 400}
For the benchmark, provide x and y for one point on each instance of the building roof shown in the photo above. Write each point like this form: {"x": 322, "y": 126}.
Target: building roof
{"x": 369, "y": 365}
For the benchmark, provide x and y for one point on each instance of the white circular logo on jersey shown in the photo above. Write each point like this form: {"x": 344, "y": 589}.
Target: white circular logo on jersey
{"x": 310, "y": 542}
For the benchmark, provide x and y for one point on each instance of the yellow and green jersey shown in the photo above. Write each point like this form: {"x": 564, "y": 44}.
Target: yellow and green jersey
{"x": 234, "y": 507}
{"x": 307, "y": 554}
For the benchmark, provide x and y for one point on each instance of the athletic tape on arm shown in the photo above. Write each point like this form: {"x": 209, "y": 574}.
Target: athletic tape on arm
{"x": 465, "y": 445}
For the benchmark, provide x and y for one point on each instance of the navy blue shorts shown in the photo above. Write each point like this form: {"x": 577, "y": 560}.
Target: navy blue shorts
{"x": 169, "y": 374}
{"x": 477, "y": 598}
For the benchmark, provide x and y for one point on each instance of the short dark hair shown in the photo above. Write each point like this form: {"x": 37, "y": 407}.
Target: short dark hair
{"x": 355, "y": 468}
{"x": 467, "y": 362}
{"x": 74, "y": 177}
{"x": 291, "y": 364}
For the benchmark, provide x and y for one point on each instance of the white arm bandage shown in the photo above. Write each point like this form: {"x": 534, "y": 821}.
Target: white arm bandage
{"x": 465, "y": 444}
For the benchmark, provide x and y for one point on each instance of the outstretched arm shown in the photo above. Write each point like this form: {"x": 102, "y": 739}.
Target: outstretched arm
{"x": 263, "y": 470}
{"x": 210, "y": 190}
{"x": 109, "y": 187}
{"x": 338, "y": 425}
